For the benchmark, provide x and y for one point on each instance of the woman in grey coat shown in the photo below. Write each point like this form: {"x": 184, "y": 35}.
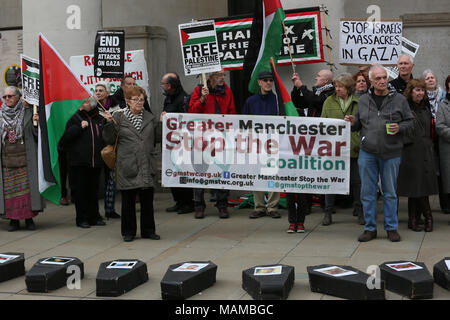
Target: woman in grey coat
{"x": 19, "y": 188}
{"x": 135, "y": 163}
{"x": 443, "y": 130}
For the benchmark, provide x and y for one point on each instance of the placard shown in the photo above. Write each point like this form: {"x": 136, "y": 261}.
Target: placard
{"x": 363, "y": 42}
{"x": 121, "y": 265}
{"x": 6, "y": 257}
{"x": 256, "y": 153}
{"x": 199, "y": 47}
{"x": 30, "y": 80}
{"x": 190, "y": 267}
{"x": 336, "y": 271}
{"x": 109, "y": 52}
{"x": 268, "y": 271}
{"x": 57, "y": 260}
{"x": 404, "y": 266}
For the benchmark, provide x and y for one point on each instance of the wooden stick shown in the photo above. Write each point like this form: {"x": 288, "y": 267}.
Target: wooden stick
{"x": 204, "y": 80}
{"x": 35, "y": 112}
{"x": 98, "y": 101}
{"x": 289, "y": 46}
{"x": 328, "y": 40}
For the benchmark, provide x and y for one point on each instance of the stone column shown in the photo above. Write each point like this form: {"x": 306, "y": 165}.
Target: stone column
{"x": 57, "y": 21}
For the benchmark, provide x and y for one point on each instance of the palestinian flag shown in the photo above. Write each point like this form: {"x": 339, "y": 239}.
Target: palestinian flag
{"x": 198, "y": 34}
{"x": 285, "y": 105}
{"x": 30, "y": 67}
{"x": 271, "y": 34}
{"x": 61, "y": 95}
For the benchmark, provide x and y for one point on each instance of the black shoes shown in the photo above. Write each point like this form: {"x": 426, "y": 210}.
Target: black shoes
{"x": 185, "y": 209}
{"x": 14, "y": 225}
{"x": 99, "y": 222}
{"x": 83, "y": 224}
{"x": 29, "y": 223}
{"x": 112, "y": 215}
{"x": 128, "y": 238}
{"x": 152, "y": 236}
{"x": 174, "y": 208}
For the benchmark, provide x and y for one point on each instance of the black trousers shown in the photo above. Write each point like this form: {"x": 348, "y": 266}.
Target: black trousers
{"x": 199, "y": 199}
{"x": 128, "y": 217}
{"x": 86, "y": 182}
{"x": 297, "y": 205}
{"x": 64, "y": 173}
{"x": 183, "y": 196}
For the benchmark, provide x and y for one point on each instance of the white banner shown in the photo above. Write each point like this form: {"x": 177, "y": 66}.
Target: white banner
{"x": 256, "y": 153}
{"x": 363, "y": 42}
{"x": 30, "y": 80}
{"x": 135, "y": 66}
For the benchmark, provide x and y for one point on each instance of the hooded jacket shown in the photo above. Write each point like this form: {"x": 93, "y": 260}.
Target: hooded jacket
{"x": 371, "y": 123}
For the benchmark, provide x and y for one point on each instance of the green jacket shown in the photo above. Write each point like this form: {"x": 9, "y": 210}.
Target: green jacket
{"x": 332, "y": 109}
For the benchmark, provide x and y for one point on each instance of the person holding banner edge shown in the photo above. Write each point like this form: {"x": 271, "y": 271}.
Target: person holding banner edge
{"x": 213, "y": 98}
{"x": 383, "y": 119}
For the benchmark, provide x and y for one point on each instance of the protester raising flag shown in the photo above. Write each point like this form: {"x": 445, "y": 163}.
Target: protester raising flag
{"x": 61, "y": 94}
{"x": 285, "y": 104}
{"x": 266, "y": 38}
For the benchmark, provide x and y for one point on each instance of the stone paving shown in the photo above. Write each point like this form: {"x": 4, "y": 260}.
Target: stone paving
{"x": 233, "y": 244}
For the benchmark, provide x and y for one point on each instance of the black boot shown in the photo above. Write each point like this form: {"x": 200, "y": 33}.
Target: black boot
{"x": 413, "y": 215}
{"x": 30, "y": 224}
{"x": 428, "y": 225}
{"x": 14, "y": 225}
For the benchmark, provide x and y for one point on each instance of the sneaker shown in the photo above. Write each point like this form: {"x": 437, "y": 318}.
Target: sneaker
{"x": 367, "y": 236}
{"x": 292, "y": 228}
{"x": 64, "y": 202}
{"x": 257, "y": 214}
{"x": 393, "y": 235}
{"x": 300, "y": 228}
{"x": 274, "y": 214}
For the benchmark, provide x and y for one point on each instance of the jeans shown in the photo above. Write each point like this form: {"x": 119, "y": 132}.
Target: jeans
{"x": 370, "y": 167}
{"x": 199, "y": 199}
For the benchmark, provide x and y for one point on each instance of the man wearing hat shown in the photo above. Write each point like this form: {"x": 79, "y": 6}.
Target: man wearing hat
{"x": 264, "y": 103}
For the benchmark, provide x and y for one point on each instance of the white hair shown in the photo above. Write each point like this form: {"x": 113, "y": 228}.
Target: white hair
{"x": 105, "y": 85}
{"x": 407, "y": 55}
{"x": 427, "y": 71}
{"x": 14, "y": 89}
{"x": 375, "y": 66}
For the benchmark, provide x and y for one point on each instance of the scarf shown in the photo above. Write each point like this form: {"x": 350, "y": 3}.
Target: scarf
{"x": 344, "y": 104}
{"x": 136, "y": 120}
{"x": 434, "y": 97}
{"x": 11, "y": 120}
{"x": 323, "y": 88}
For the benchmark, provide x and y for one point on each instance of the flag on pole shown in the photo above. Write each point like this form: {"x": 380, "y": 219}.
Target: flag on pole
{"x": 61, "y": 95}
{"x": 270, "y": 33}
{"x": 285, "y": 104}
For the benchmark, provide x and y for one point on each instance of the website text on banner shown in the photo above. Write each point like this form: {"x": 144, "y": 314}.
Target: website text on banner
{"x": 260, "y": 153}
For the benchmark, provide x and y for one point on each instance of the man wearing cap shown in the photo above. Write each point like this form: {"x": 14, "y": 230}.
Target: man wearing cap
{"x": 264, "y": 103}
{"x": 214, "y": 98}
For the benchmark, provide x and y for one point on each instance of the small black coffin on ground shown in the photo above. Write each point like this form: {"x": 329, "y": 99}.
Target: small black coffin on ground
{"x": 117, "y": 277}
{"x": 441, "y": 274}
{"x": 11, "y": 267}
{"x": 264, "y": 285}
{"x": 51, "y": 273}
{"x": 179, "y": 285}
{"x": 332, "y": 280}
{"x": 402, "y": 279}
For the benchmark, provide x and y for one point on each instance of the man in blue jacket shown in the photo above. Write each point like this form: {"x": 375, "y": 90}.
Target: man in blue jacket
{"x": 264, "y": 103}
{"x": 384, "y": 119}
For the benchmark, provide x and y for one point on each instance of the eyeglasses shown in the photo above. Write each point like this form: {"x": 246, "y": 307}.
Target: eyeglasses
{"x": 138, "y": 100}
{"x": 267, "y": 80}
{"x": 8, "y": 96}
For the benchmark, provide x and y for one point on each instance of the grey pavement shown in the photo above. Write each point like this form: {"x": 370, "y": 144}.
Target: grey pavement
{"x": 233, "y": 244}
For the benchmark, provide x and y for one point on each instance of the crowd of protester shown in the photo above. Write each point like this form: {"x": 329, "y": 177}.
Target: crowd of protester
{"x": 400, "y": 146}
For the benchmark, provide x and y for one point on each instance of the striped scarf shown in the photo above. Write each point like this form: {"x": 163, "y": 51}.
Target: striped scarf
{"x": 136, "y": 120}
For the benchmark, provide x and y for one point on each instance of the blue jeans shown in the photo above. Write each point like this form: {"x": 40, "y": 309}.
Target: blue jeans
{"x": 370, "y": 168}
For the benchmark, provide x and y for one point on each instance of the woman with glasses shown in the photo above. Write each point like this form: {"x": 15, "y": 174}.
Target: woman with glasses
{"x": 102, "y": 92}
{"x": 19, "y": 197}
{"x": 135, "y": 162}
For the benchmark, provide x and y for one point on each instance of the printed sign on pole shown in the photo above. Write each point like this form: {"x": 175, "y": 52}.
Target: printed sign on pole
{"x": 363, "y": 42}
{"x": 109, "y": 54}
{"x": 199, "y": 47}
{"x": 30, "y": 80}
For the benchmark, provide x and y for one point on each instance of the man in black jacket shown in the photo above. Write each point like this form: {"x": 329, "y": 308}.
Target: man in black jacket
{"x": 405, "y": 65}
{"x": 119, "y": 95}
{"x": 177, "y": 101}
{"x": 83, "y": 141}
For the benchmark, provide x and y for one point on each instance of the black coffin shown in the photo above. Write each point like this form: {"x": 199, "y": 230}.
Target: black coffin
{"x": 415, "y": 284}
{"x": 115, "y": 282}
{"x": 441, "y": 274}
{"x": 353, "y": 287}
{"x": 268, "y": 287}
{"x": 45, "y": 277}
{"x": 13, "y": 268}
{"x": 179, "y": 285}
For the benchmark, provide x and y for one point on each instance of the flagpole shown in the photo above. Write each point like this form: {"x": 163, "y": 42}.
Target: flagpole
{"x": 35, "y": 112}
{"x": 289, "y": 46}
{"x": 102, "y": 106}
